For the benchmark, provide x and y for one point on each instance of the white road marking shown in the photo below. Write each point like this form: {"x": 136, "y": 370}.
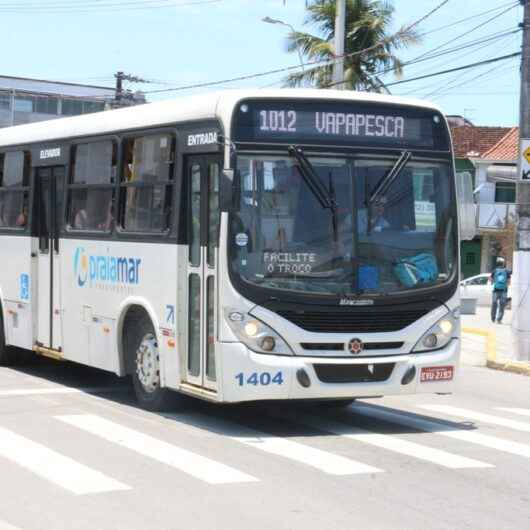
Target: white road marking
{"x": 54, "y": 467}
{"x": 195, "y": 465}
{"x": 420, "y": 424}
{"x": 7, "y": 526}
{"x": 322, "y": 460}
{"x": 392, "y": 443}
{"x": 521, "y": 412}
{"x": 38, "y": 391}
{"x": 310, "y": 456}
{"x": 479, "y": 416}
{"x": 51, "y": 391}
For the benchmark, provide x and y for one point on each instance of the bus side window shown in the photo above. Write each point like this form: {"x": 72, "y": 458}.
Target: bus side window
{"x": 91, "y": 190}
{"x": 147, "y": 183}
{"x": 14, "y": 189}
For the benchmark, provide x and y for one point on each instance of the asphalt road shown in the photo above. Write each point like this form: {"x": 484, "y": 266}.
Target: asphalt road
{"x": 76, "y": 454}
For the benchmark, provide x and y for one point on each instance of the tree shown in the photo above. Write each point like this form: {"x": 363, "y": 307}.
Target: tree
{"x": 367, "y": 27}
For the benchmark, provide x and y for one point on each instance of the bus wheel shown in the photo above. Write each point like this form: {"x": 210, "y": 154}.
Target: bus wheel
{"x": 146, "y": 375}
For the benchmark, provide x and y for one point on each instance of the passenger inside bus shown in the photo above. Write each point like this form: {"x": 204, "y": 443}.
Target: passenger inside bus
{"x": 106, "y": 225}
{"x": 81, "y": 219}
{"x": 22, "y": 219}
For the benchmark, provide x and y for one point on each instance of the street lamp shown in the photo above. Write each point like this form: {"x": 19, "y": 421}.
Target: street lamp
{"x": 270, "y": 20}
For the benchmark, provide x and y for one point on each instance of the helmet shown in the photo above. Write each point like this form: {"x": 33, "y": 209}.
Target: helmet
{"x": 500, "y": 262}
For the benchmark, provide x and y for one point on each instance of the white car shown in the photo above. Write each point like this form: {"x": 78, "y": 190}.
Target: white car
{"x": 479, "y": 287}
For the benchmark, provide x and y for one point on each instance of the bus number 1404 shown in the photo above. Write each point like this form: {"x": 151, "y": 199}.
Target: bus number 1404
{"x": 262, "y": 378}
{"x": 278, "y": 120}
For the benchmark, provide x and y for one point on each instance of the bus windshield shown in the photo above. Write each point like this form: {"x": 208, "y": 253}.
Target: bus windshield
{"x": 385, "y": 230}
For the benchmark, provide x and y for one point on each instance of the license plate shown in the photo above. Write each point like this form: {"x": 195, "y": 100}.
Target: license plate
{"x": 436, "y": 373}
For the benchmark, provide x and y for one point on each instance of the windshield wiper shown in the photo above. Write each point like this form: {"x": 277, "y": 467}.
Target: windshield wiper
{"x": 311, "y": 178}
{"x": 384, "y": 184}
{"x": 325, "y": 197}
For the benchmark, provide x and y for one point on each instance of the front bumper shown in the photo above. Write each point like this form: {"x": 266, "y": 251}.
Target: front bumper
{"x": 243, "y": 376}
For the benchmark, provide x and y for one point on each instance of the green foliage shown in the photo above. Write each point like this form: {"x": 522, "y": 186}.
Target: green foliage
{"x": 367, "y": 28}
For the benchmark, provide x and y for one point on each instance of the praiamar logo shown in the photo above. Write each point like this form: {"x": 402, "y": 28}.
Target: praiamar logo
{"x": 110, "y": 270}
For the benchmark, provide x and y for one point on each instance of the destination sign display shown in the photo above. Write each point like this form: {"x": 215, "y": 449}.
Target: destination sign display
{"x": 340, "y": 123}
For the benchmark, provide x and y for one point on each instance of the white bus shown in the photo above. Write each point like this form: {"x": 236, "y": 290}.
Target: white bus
{"x": 238, "y": 246}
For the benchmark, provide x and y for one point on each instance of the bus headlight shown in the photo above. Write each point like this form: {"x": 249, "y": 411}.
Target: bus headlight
{"x": 438, "y": 335}
{"x": 256, "y": 335}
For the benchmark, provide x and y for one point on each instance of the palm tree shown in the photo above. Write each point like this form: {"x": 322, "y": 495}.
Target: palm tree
{"x": 367, "y": 28}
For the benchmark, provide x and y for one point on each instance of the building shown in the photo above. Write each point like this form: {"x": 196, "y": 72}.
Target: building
{"x": 29, "y": 100}
{"x": 495, "y": 181}
{"x": 470, "y": 143}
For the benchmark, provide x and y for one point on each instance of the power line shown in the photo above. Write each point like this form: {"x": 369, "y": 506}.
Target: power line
{"x": 322, "y": 62}
{"x": 103, "y": 6}
{"x": 472, "y": 17}
{"x": 425, "y": 88}
{"x": 465, "y": 67}
{"x": 482, "y": 24}
{"x": 458, "y": 77}
{"x": 443, "y": 89}
{"x": 86, "y": 4}
{"x": 488, "y": 40}
{"x": 430, "y": 52}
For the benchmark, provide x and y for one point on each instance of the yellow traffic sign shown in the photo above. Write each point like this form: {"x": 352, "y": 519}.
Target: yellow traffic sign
{"x": 526, "y": 154}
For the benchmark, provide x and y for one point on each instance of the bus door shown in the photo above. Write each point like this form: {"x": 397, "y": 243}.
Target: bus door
{"x": 203, "y": 175}
{"x": 48, "y": 212}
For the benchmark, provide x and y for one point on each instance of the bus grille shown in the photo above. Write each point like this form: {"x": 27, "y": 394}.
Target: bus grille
{"x": 341, "y": 346}
{"x": 343, "y": 322}
{"x": 353, "y": 373}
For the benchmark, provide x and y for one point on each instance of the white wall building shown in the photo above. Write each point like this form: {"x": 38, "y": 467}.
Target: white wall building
{"x": 495, "y": 185}
{"x": 29, "y": 100}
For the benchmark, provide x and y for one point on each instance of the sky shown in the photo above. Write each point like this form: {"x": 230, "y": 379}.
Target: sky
{"x": 176, "y": 43}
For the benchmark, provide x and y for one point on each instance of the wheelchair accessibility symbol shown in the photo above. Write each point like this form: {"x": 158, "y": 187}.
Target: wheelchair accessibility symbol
{"x": 24, "y": 286}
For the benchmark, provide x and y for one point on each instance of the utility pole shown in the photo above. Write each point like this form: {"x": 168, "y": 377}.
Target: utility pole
{"x": 340, "y": 36}
{"x": 119, "y": 85}
{"x": 521, "y": 259}
{"x": 125, "y": 97}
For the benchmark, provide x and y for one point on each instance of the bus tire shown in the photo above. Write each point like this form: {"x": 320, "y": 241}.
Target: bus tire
{"x": 6, "y": 352}
{"x": 146, "y": 372}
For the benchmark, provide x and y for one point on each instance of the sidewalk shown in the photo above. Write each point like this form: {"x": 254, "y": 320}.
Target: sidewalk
{"x": 485, "y": 343}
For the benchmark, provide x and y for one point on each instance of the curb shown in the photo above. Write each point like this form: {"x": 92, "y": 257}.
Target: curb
{"x": 491, "y": 342}
{"x": 510, "y": 366}
{"x": 517, "y": 367}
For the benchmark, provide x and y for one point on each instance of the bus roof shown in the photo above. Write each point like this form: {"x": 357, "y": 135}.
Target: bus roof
{"x": 189, "y": 108}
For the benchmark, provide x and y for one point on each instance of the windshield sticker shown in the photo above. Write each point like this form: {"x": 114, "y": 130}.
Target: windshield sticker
{"x": 241, "y": 239}
{"x": 293, "y": 262}
{"x": 368, "y": 277}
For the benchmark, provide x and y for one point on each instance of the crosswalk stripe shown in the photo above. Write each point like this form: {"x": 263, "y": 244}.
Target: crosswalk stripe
{"x": 433, "y": 427}
{"x": 186, "y": 461}
{"x": 392, "y": 443}
{"x": 54, "y": 467}
{"x": 522, "y": 412}
{"x": 38, "y": 391}
{"x": 480, "y": 416}
{"x": 7, "y": 526}
{"x": 321, "y": 460}
{"x": 60, "y": 390}
{"x": 317, "y": 458}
